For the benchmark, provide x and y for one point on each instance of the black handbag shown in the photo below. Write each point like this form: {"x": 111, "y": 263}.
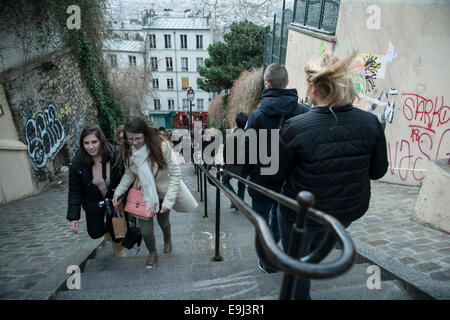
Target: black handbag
{"x": 132, "y": 237}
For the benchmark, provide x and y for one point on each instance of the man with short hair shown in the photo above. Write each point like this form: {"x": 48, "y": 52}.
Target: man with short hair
{"x": 277, "y": 104}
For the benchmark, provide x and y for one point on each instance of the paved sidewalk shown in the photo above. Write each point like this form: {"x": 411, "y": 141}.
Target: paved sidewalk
{"x": 36, "y": 245}
{"x": 388, "y": 236}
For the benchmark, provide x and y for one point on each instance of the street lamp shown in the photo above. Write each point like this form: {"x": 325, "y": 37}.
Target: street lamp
{"x": 190, "y": 95}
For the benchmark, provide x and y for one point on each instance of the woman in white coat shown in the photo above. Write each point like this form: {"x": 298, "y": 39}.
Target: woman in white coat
{"x": 153, "y": 161}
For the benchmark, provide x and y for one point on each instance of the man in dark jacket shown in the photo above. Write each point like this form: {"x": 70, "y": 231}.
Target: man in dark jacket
{"x": 277, "y": 105}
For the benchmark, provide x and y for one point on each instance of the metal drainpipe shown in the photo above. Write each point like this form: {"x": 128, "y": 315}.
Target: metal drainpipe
{"x": 176, "y": 68}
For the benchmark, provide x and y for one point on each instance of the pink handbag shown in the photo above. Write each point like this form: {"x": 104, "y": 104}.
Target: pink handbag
{"x": 136, "y": 205}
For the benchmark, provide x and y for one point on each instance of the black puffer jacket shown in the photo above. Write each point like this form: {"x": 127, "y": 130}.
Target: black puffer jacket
{"x": 332, "y": 158}
{"x": 276, "y": 106}
{"x": 83, "y": 193}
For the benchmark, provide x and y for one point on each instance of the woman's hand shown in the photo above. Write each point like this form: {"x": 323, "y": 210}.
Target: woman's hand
{"x": 74, "y": 226}
{"x": 116, "y": 202}
{"x": 164, "y": 210}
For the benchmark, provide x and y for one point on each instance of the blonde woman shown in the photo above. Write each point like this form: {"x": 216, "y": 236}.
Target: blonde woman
{"x": 153, "y": 161}
{"x": 332, "y": 151}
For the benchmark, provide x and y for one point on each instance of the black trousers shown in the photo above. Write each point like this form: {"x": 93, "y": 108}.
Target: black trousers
{"x": 97, "y": 226}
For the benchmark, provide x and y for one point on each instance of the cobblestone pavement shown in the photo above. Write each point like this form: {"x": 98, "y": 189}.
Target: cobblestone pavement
{"x": 420, "y": 254}
{"x": 36, "y": 245}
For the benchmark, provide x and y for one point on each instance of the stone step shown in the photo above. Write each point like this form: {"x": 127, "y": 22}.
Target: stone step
{"x": 389, "y": 290}
{"x": 195, "y": 280}
{"x": 238, "y": 287}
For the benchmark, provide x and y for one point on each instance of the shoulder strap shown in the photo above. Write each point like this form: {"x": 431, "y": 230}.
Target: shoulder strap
{"x": 104, "y": 174}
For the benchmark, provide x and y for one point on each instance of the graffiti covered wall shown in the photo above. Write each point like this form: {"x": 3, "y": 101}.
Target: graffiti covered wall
{"x": 50, "y": 104}
{"x": 401, "y": 75}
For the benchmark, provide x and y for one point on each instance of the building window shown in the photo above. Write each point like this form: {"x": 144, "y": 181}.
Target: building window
{"x": 132, "y": 60}
{"x": 167, "y": 41}
{"x": 199, "y": 104}
{"x": 154, "y": 62}
{"x": 113, "y": 60}
{"x": 155, "y": 83}
{"x": 184, "y": 64}
{"x": 157, "y": 103}
{"x": 184, "y": 83}
{"x": 198, "y": 86}
{"x": 171, "y": 104}
{"x": 169, "y": 63}
{"x": 169, "y": 84}
{"x": 199, "y": 63}
{"x": 199, "y": 42}
{"x": 152, "y": 39}
{"x": 185, "y": 104}
{"x": 183, "y": 41}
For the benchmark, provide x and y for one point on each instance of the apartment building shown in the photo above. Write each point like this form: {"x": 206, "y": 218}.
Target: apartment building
{"x": 177, "y": 48}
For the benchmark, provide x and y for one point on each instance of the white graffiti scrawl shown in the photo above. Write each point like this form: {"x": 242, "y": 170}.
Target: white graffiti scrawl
{"x": 44, "y": 135}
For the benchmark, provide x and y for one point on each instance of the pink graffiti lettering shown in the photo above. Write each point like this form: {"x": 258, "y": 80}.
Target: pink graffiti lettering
{"x": 426, "y": 111}
{"x": 402, "y": 158}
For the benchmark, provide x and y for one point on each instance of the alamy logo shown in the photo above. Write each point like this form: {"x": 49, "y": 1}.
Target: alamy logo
{"x": 374, "y": 281}
{"x": 257, "y": 141}
{"x": 74, "y": 21}
{"x": 74, "y": 280}
{"x": 374, "y": 20}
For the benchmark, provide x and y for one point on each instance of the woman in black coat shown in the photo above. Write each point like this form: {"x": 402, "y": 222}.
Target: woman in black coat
{"x": 93, "y": 176}
{"x": 332, "y": 151}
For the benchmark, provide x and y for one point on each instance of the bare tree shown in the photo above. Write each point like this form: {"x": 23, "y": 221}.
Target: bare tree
{"x": 131, "y": 86}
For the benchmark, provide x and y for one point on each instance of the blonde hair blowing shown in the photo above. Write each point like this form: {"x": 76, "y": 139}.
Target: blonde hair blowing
{"x": 332, "y": 78}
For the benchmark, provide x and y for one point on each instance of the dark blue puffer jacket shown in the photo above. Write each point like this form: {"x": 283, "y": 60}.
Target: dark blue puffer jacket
{"x": 276, "y": 106}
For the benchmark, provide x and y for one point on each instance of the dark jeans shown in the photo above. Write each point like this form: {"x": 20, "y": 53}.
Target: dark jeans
{"x": 97, "y": 227}
{"x": 314, "y": 237}
{"x": 241, "y": 187}
{"x": 268, "y": 210}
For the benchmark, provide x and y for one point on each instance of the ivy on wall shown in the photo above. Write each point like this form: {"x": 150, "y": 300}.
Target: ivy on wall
{"x": 86, "y": 43}
{"x": 47, "y": 20}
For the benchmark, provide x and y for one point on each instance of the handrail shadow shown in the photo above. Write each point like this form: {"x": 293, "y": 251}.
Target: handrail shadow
{"x": 269, "y": 252}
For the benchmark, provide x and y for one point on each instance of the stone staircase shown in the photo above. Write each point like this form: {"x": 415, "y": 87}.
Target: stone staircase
{"x": 188, "y": 273}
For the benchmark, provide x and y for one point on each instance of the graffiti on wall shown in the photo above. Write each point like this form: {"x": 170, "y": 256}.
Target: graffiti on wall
{"x": 369, "y": 68}
{"x": 427, "y": 138}
{"x": 44, "y": 134}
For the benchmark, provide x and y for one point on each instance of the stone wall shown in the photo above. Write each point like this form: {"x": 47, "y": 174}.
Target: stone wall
{"x": 50, "y": 104}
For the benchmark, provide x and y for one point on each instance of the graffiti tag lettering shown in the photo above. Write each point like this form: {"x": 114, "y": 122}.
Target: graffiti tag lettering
{"x": 44, "y": 135}
{"x": 428, "y": 112}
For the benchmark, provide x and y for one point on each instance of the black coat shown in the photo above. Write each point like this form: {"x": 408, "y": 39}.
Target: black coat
{"x": 83, "y": 193}
{"x": 333, "y": 158}
{"x": 276, "y": 106}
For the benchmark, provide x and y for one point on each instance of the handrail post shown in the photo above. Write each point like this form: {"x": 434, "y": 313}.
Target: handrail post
{"x": 201, "y": 182}
{"x": 197, "y": 175}
{"x": 217, "y": 256}
{"x": 205, "y": 186}
{"x": 298, "y": 233}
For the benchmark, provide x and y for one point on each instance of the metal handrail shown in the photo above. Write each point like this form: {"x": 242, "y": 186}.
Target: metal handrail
{"x": 305, "y": 267}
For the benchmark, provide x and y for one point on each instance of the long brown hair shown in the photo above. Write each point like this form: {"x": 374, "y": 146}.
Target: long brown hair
{"x": 152, "y": 141}
{"x": 104, "y": 145}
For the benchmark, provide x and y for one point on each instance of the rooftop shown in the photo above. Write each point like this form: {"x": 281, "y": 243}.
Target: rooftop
{"x": 124, "y": 45}
{"x": 177, "y": 23}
